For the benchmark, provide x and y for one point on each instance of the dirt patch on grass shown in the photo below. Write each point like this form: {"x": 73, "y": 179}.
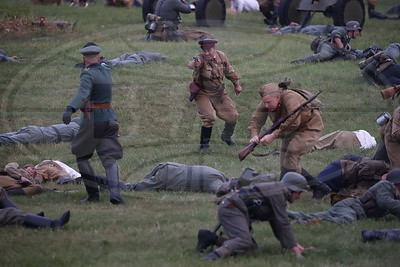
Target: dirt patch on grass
{"x": 26, "y": 28}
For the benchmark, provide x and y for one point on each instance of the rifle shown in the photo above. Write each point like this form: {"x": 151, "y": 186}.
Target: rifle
{"x": 248, "y": 149}
{"x": 390, "y": 92}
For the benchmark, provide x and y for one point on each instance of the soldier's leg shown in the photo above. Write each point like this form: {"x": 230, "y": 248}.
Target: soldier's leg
{"x": 208, "y": 116}
{"x": 393, "y": 50}
{"x": 5, "y": 202}
{"x": 237, "y": 228}
{"x": 109, "y": 151}
{"x": 296, "y": 146}
{"x": 375, "y": 235}
{"x": 226, "y": 110}
{"x": 392, "y": 149}
{"x": 83, "y": 146}
{"x": 154, "y": 180}
{"x": 11, "y": 215}
{"x": 381, "y": 153}
{"x": 340, "y": 213}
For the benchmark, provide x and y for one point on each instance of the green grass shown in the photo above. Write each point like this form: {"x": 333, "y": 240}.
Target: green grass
{"x": 159, "y": 124}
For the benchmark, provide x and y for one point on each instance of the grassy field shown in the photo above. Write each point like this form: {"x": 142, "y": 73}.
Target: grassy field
{"x": 158, "y": 124}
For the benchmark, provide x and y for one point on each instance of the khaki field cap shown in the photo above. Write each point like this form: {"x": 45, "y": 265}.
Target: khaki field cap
{"x": 295, "y": 182}
{"x": 268, "y": 88}
{"x": 90, "y": 49}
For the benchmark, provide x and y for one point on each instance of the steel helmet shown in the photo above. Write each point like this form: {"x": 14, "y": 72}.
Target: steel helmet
{"x": 353, "y": 25}
{"x": 295, "y": 182}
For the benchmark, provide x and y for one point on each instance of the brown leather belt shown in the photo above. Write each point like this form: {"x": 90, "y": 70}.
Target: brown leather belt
{"x": 103, "y": 105}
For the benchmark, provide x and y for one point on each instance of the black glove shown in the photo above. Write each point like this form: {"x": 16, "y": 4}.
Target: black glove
{"x": 66, "y": 118}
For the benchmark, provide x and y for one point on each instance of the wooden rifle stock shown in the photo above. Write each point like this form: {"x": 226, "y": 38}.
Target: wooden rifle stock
{"x": 248, "y": 149}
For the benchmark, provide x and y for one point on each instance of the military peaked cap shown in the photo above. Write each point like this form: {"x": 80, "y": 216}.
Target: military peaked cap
{"x": 207, "y": 42}
{"x": 90, "y": 49}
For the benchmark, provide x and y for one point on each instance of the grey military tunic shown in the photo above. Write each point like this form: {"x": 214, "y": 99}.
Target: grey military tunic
{"x": 177, "y": 176}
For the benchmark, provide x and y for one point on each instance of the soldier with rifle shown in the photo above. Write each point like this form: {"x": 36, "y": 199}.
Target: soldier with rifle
{"x": 299, "y": 131}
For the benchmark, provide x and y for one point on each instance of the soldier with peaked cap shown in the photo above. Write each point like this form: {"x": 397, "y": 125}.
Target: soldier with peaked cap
{"x": 298, "y": 134}
{"x": 99, "y": 127}
{"x": 209, "y": 69}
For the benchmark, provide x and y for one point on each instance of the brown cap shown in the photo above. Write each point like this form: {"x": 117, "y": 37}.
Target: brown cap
{"x": 268, "y": 88}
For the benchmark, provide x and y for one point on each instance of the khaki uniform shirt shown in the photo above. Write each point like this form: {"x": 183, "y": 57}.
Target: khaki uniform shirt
{"x": 304, "y": 119}
{"x": 210, "y": 74}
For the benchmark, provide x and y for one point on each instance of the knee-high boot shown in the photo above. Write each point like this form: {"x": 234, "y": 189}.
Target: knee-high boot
{"x": 113, "y": 184}
{"x": 205, "y": 139}
{"x": 319, "y": 188}
{"x": 36, "y": 221}
{"x": 372, "y": 235}
{"x": 89, "y": 180}
{"x": 227, "y": 133}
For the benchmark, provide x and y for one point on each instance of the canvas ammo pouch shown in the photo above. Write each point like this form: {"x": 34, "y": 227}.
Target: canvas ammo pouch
{"x": 256, "y": 204}
{"x": 315, "y": 43}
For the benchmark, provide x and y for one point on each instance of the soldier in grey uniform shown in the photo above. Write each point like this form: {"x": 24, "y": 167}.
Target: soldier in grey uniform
{"x": 337, "y": 45}
{"x": 167, "y": 26}
{"x": 176, "y": 176}
{"x": 11, "y": 214}
{"x": 39, "y": 135}
{"x": 259, "y": 202}
{"x": 381, "y": 199}
{"x": 99, "y": 127}
{"x": 309, "y": 29}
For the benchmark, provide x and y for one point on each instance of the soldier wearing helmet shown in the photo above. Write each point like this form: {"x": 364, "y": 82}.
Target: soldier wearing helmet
{"x": 258, "y": 202}
{"x": 337, "y": 45}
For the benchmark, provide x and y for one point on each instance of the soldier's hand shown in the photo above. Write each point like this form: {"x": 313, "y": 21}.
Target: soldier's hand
{"x": 255, "y": 140}
{"x": 268, "y": 139}
{"x": 66, "y": 118}
{"x": 238, "y": 89}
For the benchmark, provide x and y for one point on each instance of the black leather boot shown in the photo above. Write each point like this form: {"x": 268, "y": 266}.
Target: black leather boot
{"x": 375, "y": 235}
{"x": 227, "y": 133}
{"x": 284, "y": 171}
{"x": 205, "y": 139}
{"x": 319, "y": 188}
{"x": 113, "y": 184}
{"x": 16, "y": 192}
{"x": 36, "y": 221}
{"x": 89, "y": 180}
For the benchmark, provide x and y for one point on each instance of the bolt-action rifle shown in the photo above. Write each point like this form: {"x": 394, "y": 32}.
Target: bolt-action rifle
{"x": 248, "y": 149}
